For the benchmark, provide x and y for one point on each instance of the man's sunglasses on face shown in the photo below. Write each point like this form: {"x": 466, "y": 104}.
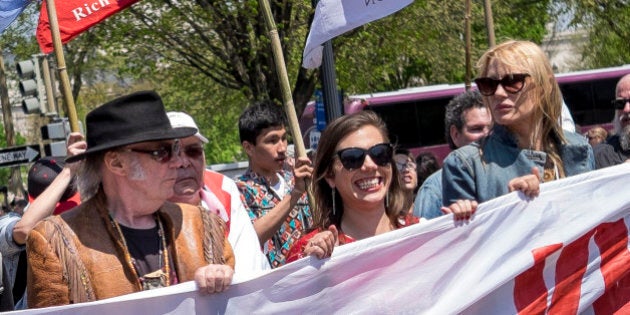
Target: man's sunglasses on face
{"x": 620, "y": 103}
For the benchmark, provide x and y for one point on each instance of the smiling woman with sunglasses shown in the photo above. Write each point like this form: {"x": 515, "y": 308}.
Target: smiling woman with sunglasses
{"x": 527, "y": 144}
{"x": 356, "y": 186}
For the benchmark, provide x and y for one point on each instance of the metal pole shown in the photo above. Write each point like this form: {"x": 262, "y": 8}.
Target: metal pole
{"x": 328, "y": 77}
{"x": 61, "y": 67}
{"x": 328, "y": 80}
{"x": 487, "y": 7}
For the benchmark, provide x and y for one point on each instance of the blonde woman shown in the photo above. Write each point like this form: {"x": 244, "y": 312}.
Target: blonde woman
{"x": 527, "y": 145}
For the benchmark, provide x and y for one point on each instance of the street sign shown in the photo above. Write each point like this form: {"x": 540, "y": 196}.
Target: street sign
{"x": 19, "y": 155}
{"x": 314, "y": 138}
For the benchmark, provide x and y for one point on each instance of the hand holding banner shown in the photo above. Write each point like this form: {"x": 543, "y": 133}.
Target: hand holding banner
{"x": 564, "y": 252}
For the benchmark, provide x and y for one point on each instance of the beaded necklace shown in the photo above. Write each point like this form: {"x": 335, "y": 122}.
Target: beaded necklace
{"x": 162, "y": 254}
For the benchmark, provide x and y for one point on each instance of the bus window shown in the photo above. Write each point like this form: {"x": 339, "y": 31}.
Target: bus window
{"x": 589, "y": 102}
{"x": 415, "y": 124}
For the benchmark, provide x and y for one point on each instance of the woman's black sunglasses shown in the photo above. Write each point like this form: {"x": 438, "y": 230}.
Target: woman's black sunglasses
{"x": 353, "y": 158}
{"x": 511, "y": 83}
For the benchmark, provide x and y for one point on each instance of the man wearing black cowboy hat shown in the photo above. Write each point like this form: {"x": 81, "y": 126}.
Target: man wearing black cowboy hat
{"x": 125, "y": 237}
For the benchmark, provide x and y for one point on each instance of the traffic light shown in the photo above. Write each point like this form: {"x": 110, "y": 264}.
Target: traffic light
{"x": 57, "y": 132}
{"x": 30, "y": 86}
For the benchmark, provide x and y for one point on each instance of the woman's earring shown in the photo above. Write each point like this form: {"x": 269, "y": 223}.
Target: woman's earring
{"x": 387, "y": 200}
{"x": 334, "y": 206}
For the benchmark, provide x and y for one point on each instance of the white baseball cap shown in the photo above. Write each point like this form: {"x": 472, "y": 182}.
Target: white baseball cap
{"x": 181, "y": 119}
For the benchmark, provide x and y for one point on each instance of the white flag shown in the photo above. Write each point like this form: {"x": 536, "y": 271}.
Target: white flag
{"x": 335, "y": 17}
{"x": 9, "y": 10}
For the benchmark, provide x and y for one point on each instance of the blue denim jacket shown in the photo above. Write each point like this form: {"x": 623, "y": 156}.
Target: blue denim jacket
{"x": 429, "y": 198}
{"x": 468, "y": 174}
{"x": 9, "y": 249}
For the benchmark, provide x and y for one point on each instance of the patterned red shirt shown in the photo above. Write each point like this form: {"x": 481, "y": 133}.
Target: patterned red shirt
{"x": 259, "y": 198}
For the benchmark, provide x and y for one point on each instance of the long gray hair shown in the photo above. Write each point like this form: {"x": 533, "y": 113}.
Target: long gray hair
{"x": 89, "y": 176}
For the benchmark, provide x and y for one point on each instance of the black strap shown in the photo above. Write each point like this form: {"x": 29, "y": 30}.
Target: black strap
{"x": 19, "y": 287}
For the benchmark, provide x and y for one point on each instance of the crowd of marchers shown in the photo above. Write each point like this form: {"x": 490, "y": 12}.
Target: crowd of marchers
{"x": 133, "y": 207}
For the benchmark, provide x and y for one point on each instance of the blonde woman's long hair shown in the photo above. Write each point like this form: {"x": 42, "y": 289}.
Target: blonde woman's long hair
{"x": 528, "y": 57}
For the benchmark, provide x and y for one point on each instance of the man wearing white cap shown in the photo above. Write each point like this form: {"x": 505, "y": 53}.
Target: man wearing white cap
{"x": 197, "y": 185}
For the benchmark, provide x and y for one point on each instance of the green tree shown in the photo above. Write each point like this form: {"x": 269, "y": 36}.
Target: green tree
{"x": 211, "y": 58}
{"x": 424, "y": 43}
{"x": 225, "y": 41}
{"x": 608, "y": 26}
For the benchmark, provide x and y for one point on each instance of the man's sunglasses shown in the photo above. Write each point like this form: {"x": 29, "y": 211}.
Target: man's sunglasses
{"x": 511, "y": 83}
{"x": 162, "y": 154}
{"x": 353, "y": 158}
{"x": 620, "y": 103}
{"x": 193, "y": 151}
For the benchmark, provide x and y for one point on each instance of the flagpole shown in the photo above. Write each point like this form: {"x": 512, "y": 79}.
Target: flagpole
{"x": 487, "y": 7}
{"x": 285, "y": 89}
{"x": 468, "y": 47}
{"x": 61, "y": 66}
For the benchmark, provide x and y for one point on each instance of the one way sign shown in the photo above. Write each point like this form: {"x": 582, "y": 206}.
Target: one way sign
{"x": 19, "y": 155}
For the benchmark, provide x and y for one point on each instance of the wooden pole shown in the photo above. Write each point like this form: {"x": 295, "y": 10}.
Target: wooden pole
{"x": 487, "y": 7}
{"x": 467, "y": 35}
{"x": 50, "y": 96}
{"x": 287, "y": 98}
{"x": 61, "y": 67}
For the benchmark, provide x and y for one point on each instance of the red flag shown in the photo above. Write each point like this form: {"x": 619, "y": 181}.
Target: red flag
{"x": 75, "y": 17}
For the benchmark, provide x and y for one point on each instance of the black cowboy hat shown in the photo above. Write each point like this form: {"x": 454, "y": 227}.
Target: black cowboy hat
{"x": 133, "y": 118}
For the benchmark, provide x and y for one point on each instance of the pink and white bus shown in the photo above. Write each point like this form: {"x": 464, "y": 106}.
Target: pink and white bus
{"x": 415, "y": 116}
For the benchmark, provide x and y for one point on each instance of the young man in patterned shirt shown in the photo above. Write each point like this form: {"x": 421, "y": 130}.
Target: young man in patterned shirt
{"x": 272, "y": 191}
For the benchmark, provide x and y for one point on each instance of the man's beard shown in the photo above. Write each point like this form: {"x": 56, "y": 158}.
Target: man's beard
{"x": 624, "y": 138}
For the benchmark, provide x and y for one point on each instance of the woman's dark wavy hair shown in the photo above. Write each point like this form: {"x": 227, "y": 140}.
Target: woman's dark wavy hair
{"x": 325, "y": 159}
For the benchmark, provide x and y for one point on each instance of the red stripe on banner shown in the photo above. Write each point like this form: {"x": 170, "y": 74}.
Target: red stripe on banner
{"x": 570, "y": 270}
{"x": 530, "y": 291}
{"x": 612, "y": 240}
{"x": 214, "y": 182}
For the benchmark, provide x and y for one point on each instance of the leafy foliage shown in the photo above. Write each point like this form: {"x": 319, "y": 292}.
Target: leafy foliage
{"x": 608, "y": 25}
{"x": 424, "y": 43}
{"x": 211, "y": 58}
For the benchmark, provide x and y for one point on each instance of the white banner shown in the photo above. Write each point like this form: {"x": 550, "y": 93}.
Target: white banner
{"x": 564, "y": 252}
{"x": 335, "y": 17}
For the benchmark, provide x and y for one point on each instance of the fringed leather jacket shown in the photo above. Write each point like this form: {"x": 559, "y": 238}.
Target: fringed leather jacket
{"x": 77, "y": 257}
